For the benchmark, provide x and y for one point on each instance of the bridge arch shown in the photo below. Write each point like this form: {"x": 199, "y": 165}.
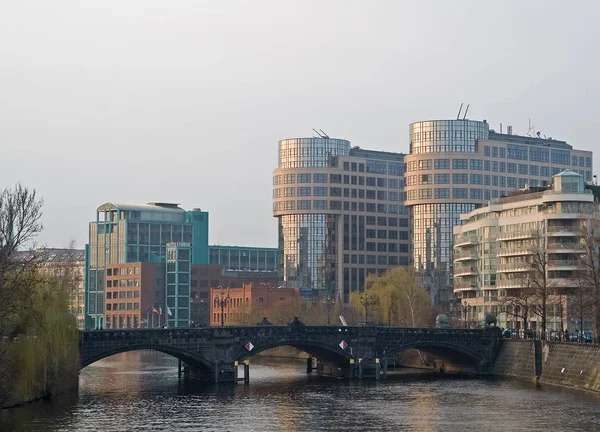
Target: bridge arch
{"x": 445, "y": 351}
{"x": 321, "y": 351}
{"x": 187, "y": 357}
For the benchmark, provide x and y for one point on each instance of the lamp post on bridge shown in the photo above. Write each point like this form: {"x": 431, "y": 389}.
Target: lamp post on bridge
{"x": 329, "y": 303}
{"x": 221, "y": 301}
{"x": 465, "y": 308}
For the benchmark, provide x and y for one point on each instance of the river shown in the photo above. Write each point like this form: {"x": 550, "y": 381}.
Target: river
{"x": 141, "y": 391}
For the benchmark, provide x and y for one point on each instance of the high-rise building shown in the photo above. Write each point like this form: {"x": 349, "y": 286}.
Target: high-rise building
{"x": 456, "y": 166}
{"x": 124, "y": 233}
{"x": 341, "y": 215}
{"x": 534, "y": 233}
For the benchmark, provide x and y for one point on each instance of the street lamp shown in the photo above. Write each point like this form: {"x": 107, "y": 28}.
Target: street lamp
{"x": 465, "y": 308}
{"x": 221, "y": 301}
{"x": 366, "y": 301}
{"x": 329, "y": 303}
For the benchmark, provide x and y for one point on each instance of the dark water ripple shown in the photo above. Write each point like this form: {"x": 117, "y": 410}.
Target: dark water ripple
{"x": 140, "y": 391}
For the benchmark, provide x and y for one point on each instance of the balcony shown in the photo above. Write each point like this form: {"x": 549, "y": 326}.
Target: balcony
{"x": 461, "y": 287}
{"x": 509, "y": 283}
{"x": 513, "y": 251}
{"x": 562, "y": 265}
{"x": 465, "y": 270}
{"x": 565, "y": 247}
{"x": 562, "y": 230}
{"x": 465, "y": 256}
{"x": 517, "y": 234}
{"x": 464, "y": 240}
{"x": 513, "y": 267}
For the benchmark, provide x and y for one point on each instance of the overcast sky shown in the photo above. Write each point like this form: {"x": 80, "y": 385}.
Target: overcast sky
{"x": 184, "y": 101}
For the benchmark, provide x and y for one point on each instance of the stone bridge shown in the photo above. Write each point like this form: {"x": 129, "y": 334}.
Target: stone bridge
{"x": 213, "y": 353}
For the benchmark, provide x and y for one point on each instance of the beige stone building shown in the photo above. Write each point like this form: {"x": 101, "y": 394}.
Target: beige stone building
{"x": 499, "y": 244}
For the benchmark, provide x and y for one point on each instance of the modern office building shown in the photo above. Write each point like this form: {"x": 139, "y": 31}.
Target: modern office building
{"x": 499, "y": 244}
{"x": 456, "y": 166}
{"x": 341, "y": 215}
{"x": 243, "y": 259}
{"x": 124, "y": 233}
{"x": 68, "y": 266}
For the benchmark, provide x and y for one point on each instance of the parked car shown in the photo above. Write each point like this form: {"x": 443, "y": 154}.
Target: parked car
{"x": 588, "y": 336}
{"x": 509, "y": 333}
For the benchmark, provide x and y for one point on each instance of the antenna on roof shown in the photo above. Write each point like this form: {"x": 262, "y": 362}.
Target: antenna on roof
{"x": 466, "y": 111}
{"x": 459, "y": 110}
{"x": 531, "y": 130}
{"x": 321, "y": 133}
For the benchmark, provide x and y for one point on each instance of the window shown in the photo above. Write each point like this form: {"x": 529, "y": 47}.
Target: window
{"x": 425, "y": 164}
{"x": 476, "y": 164}
{"x": 129, "y": 294}
{"x": 303, "y": 204}
{"x": 425, "y": 179}
{"x": 289, "y": 178}
{"x": 511, "y": 182}
{"x": 494, "y": 166}
{"x": 502, "y": 151}
{"x": 320, "y": 204}
{"x": 502, "y": 166}
{"x": 108, "y": 295}
{"x": 442, "y": 164}
{"x": 511, "y": 168}
{"x": 459, "y": 164}
{"x": 319, "y": 178}
{"x": 486, "y": 180}
{"x": 460, "y": 178}
{"x": 544, "y": 171}
{"x": 371, "y": 181}
{"x": 494, "y": 151}
{"x": 476, "y": 179}
{"x": 486, "y": 150}
{"x": 335, "y": 178}
{"x": 303, "y": 178}
{"x": 476, "y": 194}
{"x": 424, "y": 193}
{"x": 523, "y": 169}
{"x": 442, "y": 193}
{"x": 441, "y": 178}
{"x": 136, "y": 294}
{"x": 486, "y": 165}
{"x": 534, "y": 170}
{"x": 459, "y": 193}
{"x": 319, "y": 191}
{"x": 304, "y": 191}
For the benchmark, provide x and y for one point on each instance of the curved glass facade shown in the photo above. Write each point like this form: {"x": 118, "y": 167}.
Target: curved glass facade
{"x": 310, "y": 152}
{"x": 307, "y": 242}
{"x": 441, "y": 136}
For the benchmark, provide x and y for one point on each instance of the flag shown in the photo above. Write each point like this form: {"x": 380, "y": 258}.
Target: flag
{"x": 159, "y": 310}
{"x": 155, "y": 310}
{"x": 169, "y": 311}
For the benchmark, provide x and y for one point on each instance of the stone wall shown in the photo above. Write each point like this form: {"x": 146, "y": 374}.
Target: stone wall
{"x": 571, "y": 365}
{"x": 516, "y": 359}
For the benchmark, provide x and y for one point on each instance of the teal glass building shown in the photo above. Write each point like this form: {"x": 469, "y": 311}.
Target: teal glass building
{"x": 125, "y": 233}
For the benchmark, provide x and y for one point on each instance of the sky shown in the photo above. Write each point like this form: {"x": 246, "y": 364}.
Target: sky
{"x": 132, "y": 101}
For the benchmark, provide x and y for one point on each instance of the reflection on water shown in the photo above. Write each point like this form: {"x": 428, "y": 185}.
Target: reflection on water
{"x": 141, "y": 391}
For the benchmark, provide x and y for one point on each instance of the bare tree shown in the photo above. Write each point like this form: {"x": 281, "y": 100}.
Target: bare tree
{"x": 589, "y": 263}
{"x": 540, "y": 285}
{"x": 580, "y": 298}
{"x": 518, "y": 303}
{"x": 20, "y": 223}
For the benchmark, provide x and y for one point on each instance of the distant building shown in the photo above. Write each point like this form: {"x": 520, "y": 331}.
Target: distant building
{"x": 63, "y": 263}
{"x": 125, "y": 233}
{"x": 341, "y": 215}
{"x": 495, "y": 247}
{"x": 456, "y": 166}
{"x": 242, "y": 301}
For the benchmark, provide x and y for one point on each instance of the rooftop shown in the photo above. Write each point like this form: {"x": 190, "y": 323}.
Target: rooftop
{"x": 151, "y": 206}
{"x": 52, "y": 255}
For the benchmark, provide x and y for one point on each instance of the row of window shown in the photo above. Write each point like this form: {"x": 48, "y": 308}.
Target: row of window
{"x": 288, "y": 192}
{"x": 122, "y": 283}
{"x": 122, "y": 294}
{"x": 122, "y": 306}
{"x": 122, "y": 271}
{"x": 392, "y": 260}
{"x": 382, "y": 182}
{"x": 339, "y": 205}
{"x": 441, "y": 193}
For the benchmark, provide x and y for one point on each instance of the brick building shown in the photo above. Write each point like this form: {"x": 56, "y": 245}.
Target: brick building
{"x": 241, "y": 301}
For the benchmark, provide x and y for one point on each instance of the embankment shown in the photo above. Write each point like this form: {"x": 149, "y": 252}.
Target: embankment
{"x": 556, "y": 363}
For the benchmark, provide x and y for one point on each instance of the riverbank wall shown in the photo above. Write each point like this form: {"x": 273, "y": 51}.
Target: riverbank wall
{"x": 556, "y": 363}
